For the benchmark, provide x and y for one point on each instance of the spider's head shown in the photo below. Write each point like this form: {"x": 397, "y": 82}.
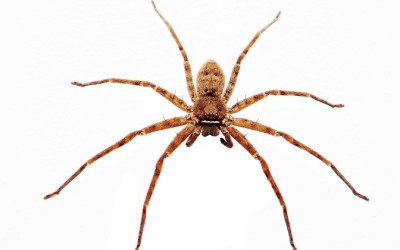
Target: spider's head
{"x": 210, "y": 79}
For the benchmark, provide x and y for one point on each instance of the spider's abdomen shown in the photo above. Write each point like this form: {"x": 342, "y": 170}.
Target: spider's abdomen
{"x": 210, "y": 79}
{"x": 210, "y": 110}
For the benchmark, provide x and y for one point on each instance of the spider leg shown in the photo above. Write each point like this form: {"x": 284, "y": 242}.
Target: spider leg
{"x": 241, "y": 139}
{"x": 186, "y": 64}
{"x": 236, "y": 68}
{"x": 166, "y": 124}
{"x": 179, "y": 138}
{"x": 255, "y": 98}
{"x": 178, "y": 102}
{"x": 244, "y": 123}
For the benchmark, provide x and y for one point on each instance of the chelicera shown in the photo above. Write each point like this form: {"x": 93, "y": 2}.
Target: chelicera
{"x": 210, "y": 115}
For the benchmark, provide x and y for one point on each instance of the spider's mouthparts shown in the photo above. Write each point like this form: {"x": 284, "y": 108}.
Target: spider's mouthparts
{"x": 210, "y": 130}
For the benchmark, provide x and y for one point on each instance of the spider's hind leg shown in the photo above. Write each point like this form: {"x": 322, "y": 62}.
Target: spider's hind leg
{"x": 188, "y": 71}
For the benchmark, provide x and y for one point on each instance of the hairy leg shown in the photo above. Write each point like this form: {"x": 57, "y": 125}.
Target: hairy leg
{"x": 241, "y": 139}
{"x": 180, "y": 137}
{"x": 166, "y": 124}
{"x": 244, "y": 123}
{"x": 258, "y": 97}
{"x": 178, "y": 102}
{"x": 236, "y": 68}
{"x": 186, "y": 64}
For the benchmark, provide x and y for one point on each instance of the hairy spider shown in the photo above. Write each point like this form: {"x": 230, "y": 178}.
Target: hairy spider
{"x": 209, "y": 115}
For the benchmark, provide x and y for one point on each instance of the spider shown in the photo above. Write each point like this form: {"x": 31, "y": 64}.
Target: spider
{"x": 210, "y": 115}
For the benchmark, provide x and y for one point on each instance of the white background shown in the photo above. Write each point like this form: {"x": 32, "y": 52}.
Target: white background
{"x": 208, "y": 196}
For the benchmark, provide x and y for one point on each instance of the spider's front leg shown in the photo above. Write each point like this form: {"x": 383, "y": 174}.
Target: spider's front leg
{"x": 179, "y": 138}
{"x": 235, "y": 71}
{"x": 241, "y": 139}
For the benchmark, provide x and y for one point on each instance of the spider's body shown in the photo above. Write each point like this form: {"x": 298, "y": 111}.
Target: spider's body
{"x": 209, "y": 109}
{"x": 209, "y": 115}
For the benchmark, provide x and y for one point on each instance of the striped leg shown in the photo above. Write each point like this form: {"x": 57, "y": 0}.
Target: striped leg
{"x": 241, "y": 139}
{"x": 166, "y": 124}
{"x": 186, "y": 64}
{"x": 180, "y": 137}
{"x": 255, "y": 98}
{"x": 178, "y": 102}
{"x": 236, "y": 68}
{"x": 244, "y": 123}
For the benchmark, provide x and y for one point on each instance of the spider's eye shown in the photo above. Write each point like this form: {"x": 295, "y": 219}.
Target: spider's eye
{"x": 215, "y": 74}
{"x": 206, "y": 73}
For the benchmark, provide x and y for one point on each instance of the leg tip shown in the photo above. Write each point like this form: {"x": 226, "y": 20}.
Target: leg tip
{"x": 77, "y": 84}
{"x": 50, "y": 195}
{"x": 338, "y": 105}
{"x": 361, "y": 196}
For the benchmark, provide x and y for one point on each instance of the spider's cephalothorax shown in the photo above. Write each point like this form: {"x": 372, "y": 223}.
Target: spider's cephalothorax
{"x": 209, "y": 115}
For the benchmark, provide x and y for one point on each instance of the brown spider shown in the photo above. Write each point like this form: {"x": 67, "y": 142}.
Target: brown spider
{"x": 209, "y": 115}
